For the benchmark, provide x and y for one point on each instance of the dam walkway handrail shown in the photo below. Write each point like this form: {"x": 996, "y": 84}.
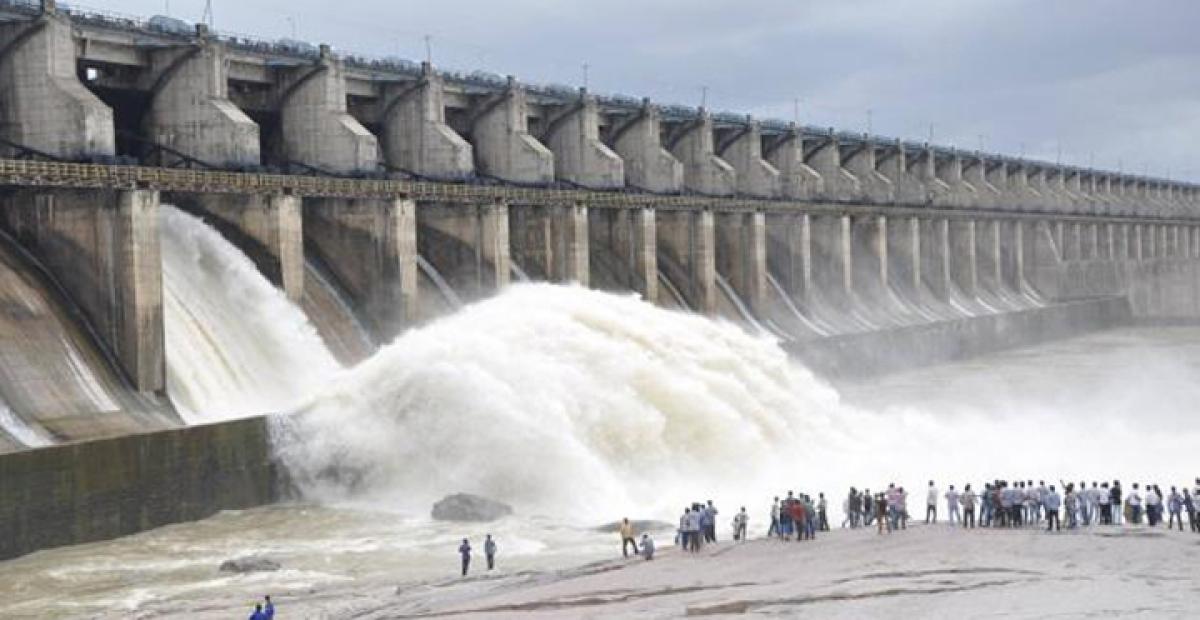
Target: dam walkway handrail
{"x": 30, "y": 173}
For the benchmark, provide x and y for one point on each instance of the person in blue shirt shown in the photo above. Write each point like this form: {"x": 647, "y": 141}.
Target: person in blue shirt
{"x": 465, "y": 551}
{"x": 258, "y": 613}
{"x": 268, "y": 612}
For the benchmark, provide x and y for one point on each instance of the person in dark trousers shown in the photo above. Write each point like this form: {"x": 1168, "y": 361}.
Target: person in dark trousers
{"x": 822, "y": 513}
{"x": 931, "y": 504}
{"x": 465, "y": 551}
{"x": 489, "y": 550}
{"x": 268, "y": 608}
{"x": 1115, "y": 516}
{"x": 1189, "y": 504}
{"x": 1051, "y": 502}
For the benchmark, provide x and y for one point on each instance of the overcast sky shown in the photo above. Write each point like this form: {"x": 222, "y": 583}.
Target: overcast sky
{"x": 1116, "y": 82}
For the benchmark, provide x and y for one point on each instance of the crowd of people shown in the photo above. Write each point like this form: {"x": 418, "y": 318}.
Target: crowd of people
{"x": 1013, "y": 504}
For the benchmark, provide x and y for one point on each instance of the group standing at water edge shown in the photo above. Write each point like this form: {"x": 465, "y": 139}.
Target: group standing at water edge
{"x": 264, "y": 610}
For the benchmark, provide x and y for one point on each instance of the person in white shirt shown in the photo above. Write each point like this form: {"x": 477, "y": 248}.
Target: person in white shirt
{"x": 952, "y": 506}
{"x": 931, "y": 501}
{"x": 1135, "y": 505}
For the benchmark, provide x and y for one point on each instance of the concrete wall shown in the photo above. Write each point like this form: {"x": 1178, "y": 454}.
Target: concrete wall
{"x": 468, "y": 245}
{"x": 623, "y": 251}
{"x": 317, "y": 129}
{"x": 503, "y": 146}
{"x": 96, "y": 490}
{"x": 550, "y": 243}
{"x": 415, "y": 135}
{"x": 703, "y": 172}
{"x": 686, "y": 254}
{"x": 648, "y": 166}
{"x": 580, "y": 157}
{"x": 102, "y": 246}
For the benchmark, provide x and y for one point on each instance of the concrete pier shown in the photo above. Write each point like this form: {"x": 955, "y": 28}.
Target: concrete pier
{"x": 190, "y": 111}
{"x": 268, "y": 228}
{"x": 741, "y": 255}
{"x": 467, "y": 244}
{"x": 892, "y": 163}
{"x": 503, "y": 146}
{"x": 370, "y": 247}
{"x": 550, "y": 242}
{"x": 317, "y": 129}
{"x": 623, "y": 250}
{"x": 789, "y": 254}
{"x": 860, "y": 162}
{"x": 648, "y": 166}
{"x": 103, "y": 248}
{"x": 825, "y": 158}
{"x": 415, "y": 136}
{"x": 832, "y": 258}
{"x": 580, "y": 158}
{"x": 743, "y": 150}
{"x": 703, "y": 171}
{"x": 43, "y": 106}
{"x": 687, "y": 255}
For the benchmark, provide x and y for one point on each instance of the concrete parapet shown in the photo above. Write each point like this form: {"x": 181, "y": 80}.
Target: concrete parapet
{"x": 755, "y": 176}
{"x": 190, "y": 111}
{"x": 860, "y": 161}
{"x": 415, "y": 136}
{"x": 370, "y": 247}
{"x": 550, "y": 242}
{"x": 703, "y": 170}
{"x": 824, "y": 156}
{"x": 623, "y": 248}
{"x": 317, "y": 129}
{"x": 43, "y": 106}
{"x": 797, "y": 180}
{"x": 579, "y": 155}
{"x": 686, "y": 254}
{"x": 741, "y": 255}
{"x": 503, "y": 147}
{"x": 468, "y": 245}
{"x": 96, "y": 490}
{"x": 648, "y": 166}
{"x": 103, "y": 248}
{"x": 268, "y": 228}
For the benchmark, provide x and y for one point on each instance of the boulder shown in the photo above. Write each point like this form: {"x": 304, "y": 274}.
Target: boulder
{"x": 249, "y": 564}
{"x": 639, "y": 526}
{"x": 467, "y": 507}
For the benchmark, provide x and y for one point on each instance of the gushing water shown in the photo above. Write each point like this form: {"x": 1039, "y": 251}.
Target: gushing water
{"x": 547, "y": 394}
{"x": 236, "y": 345}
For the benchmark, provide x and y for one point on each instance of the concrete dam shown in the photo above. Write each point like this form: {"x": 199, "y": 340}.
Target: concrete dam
{"x": 378, "y": 195}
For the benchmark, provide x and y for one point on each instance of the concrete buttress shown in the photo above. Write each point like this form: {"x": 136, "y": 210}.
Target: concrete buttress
{"x": 550, "y": 242}
{"x": 190, "y": 110}
{"x": 755, "y": 175}
{"x": 43, "y": 105}
{"x": 415, "y": 135}
{"x": 579, "y": 155}
{"x": 317, "y": 129}
{"x": 797, "y": 180}
{"x": 503, "y": 147}
{"x": 741, "y": 255}
{"x": 686, "y": 254}
{"x": 703, "y": 170}
{"x": 648, "y": 166}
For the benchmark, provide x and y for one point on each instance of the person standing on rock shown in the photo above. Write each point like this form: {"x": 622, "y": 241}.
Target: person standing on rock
{"x": 647, "y": 547}
{"x": 739, "y": 525}
{"x": 695, "y": 526}
{"x": 268, "y": 608}
{"x": 710, "y": 523}
{"x": 931, "y": 500}
{"x": 774, "y": 529}
{"x": 952, "y": 506}
{"x": 1051, "y": 502}
{"x": 684, "y": 519}
{"x": 822, "y": 513}
{"x": 968, "y": 505}
{"x": 1189, "y": 504}
{"x": 465, "y": 551}
{"x": 1175, "y": 509}
{"x": 257, "y": 614}
{"x": 489, "y": 551}
{"x": 627, "y": 538}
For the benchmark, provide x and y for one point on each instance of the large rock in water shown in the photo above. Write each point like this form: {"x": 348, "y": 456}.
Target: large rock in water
{"x": 249, "y": 564}
{"x": 467, "y": 507}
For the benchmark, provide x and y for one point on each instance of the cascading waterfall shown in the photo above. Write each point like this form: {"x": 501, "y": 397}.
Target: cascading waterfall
{"x": 20, "y": 430}
{"x": 236, "y": 345}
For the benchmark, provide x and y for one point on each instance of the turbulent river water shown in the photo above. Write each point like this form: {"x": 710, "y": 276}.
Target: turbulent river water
{"x": 577, "y": 407}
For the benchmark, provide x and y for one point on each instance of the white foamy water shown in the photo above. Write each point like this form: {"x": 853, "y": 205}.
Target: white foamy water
{"x": 235, "y": 344}
{"x": 545, "y": 395}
